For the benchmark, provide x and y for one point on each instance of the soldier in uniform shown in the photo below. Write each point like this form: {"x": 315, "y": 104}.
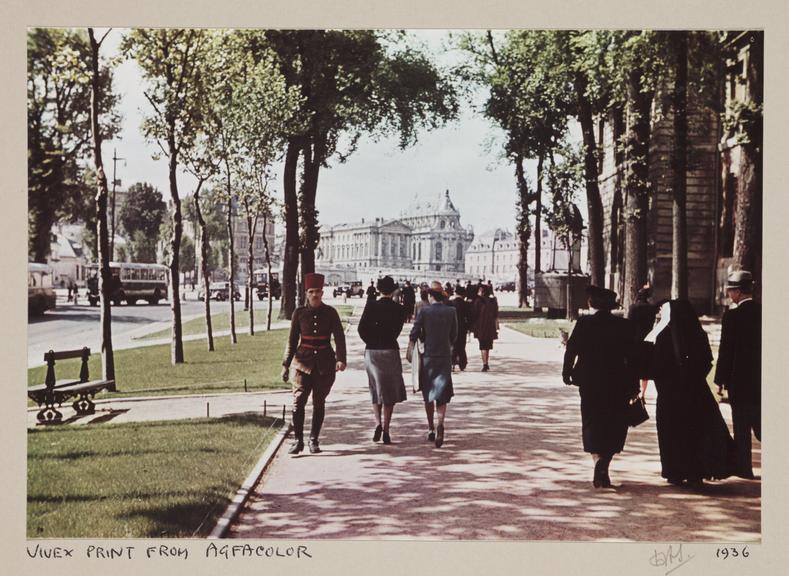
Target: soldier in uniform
{"x": 309, "y": 350}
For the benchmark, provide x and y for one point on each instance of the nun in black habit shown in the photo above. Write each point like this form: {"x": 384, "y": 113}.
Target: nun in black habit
{"x": 693, "y": 438}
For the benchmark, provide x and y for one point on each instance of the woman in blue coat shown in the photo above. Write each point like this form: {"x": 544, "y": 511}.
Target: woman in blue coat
{"x": 436, "y": 325}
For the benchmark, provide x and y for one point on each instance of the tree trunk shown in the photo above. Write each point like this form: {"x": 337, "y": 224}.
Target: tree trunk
{"x": 105, "y": 286}
{"x": 204, "y": 251}
{"x": 593, "y": 201}
{"x": 679, "y": 252}
{"x": 524, "y": 233}
{"x": 748, "y": 202}
{"x": 177, "y": 348}
{"x": 268, "y": 268}
{"x": 310, "y": 236}
{"x": 637, "y": 185}
{"x": 250, "y": 266}
{"x": 231, "y": 261}
{"x": 290, "y": 259}
{"x": 537, "y": 217}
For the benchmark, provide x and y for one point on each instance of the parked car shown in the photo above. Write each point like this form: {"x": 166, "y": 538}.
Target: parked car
{"x": 340, "y": 289}
{"x": 219, "y": 291}
{"x": 506, "y": 287}
{"x": 356, "y": 289}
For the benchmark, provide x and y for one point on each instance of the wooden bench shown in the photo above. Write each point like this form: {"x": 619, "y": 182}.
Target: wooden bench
{"x": 58, "y": 391}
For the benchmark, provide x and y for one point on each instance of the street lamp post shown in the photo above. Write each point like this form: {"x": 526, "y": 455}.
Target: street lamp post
{"x": 115, "y": 181}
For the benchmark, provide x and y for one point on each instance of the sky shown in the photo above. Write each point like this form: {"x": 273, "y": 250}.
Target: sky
{"x": 378, "y": 180}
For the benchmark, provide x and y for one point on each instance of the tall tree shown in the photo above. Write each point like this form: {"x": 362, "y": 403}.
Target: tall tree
{"x": 636, "y": 58}
{"x": 744, "y": 121}
{"x": 59, "y": 130}
{"x": 678, "y": 45}
{"x": 141, "y": 217}
{"x": 105, "y": 278}
{"x": 352, "y": 83}
{"x": 170, "y": 60}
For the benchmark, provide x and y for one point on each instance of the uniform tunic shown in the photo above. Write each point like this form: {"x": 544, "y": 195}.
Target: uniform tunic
{"x": 309, "y": 348}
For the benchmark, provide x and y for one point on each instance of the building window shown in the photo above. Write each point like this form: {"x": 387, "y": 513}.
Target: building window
{"x": 438, "y": 251}
{"x": 420, "y": 252}
{"x": 460, "y": 250}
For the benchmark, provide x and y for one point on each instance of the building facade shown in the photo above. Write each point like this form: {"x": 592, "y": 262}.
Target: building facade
{"x": 428, "y": 236}
{"x": 495, "y": 255}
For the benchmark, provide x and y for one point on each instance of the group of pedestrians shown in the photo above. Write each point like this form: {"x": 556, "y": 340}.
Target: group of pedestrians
{"x": 607, "y": 355}
{"x": 437, "y": 343}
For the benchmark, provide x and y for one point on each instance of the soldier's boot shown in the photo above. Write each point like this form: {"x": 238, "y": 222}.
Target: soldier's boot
{"x": 298, "y": 431}
{"x": 318, "y": 413}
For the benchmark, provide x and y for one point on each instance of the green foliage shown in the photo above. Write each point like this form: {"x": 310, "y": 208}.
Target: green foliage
{"x": 59, "y": 137}
{"x": 139, "y": 480}
{"x": 141, "y": 217}
{"x": 565, "y": 181}
{"x": 187, "y": 260}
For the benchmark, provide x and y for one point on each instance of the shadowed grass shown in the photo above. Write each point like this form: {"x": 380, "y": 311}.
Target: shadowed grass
{"x": 148, "y": 370}
{"x": 147, "y": 480}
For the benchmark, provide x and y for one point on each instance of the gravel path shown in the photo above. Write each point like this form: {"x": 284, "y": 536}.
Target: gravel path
{"x": 512, "y": 468}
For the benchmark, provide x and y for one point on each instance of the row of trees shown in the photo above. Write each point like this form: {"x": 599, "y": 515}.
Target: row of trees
{"x": 226, "y": 106}
{"x": 538, "y": 80}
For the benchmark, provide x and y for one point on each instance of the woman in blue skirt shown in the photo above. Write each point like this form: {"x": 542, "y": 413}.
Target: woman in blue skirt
{"x": 436, "y": 325}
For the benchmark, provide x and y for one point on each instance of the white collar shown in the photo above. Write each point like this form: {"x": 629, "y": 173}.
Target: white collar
{"x": 743, "y": 301}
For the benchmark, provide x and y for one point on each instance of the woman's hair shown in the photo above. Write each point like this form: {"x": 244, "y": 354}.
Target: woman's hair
{"x": 438, "y": 295}
{"x": 423, "y": 295}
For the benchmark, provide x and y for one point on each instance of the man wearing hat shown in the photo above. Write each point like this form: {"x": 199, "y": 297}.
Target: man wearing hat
{"x": 309, "y": 350}
{"x": 739, "y": 367}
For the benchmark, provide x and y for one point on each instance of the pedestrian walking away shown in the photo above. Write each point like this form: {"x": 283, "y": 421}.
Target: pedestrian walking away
{"x": 600, "y": 360}
{"x": 694, "y": 441}
{"x": 463, "y": 312}
{"x": 380, "y": 325}
{"x": 485, "y": 313}
{"x": 642, "y": 314}
{"x": 739, "y": 367}
{"x": 409, "y": 300}
{"x": 372, "y": 293}
{"x": 309, "y": 351}
{"x": 435, "y": 325}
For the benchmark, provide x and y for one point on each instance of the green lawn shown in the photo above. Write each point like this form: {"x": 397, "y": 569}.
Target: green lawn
{"x": 221, "y": 321}
{"x": 146, "y": 480}
{"x": 542, "y": 327}
{"x": 148, "y": 370}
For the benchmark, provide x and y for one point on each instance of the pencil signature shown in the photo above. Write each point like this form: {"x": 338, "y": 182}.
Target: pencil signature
{"x": 671, "y": 558}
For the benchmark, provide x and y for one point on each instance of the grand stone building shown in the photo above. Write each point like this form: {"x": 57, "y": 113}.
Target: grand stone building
{"x": 428, "y": 235}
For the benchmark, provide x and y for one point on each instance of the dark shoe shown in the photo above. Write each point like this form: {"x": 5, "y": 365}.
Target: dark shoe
{"x": 387, "y": 439}
{"x": 695, "y": 482}
{"x": 314, "y": 447}
{"x": 431, "y": 436}
{"x": 296, "y": 447}
{"x": 674, "y": 481}
{"x": 597, "y": 478}
{"x": 377, "y": 433}
{"x": 485, "y": 368}
{"x": 605, "y": 481}
{"x": 439, "y": 435}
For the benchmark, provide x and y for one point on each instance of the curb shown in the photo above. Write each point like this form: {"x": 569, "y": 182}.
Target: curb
{"x": 242, "y": 495}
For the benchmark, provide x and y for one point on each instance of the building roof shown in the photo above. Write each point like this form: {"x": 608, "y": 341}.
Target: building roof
{"x": 439, "y": 205}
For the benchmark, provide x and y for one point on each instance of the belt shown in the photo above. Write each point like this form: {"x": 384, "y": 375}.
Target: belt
{"x": 312, "y": 347}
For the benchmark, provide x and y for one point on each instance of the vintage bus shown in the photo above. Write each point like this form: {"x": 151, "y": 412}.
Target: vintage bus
{"x": 40, "y": 293}
{"x": 261, "y": 283}
{"x": 132, "y": 281}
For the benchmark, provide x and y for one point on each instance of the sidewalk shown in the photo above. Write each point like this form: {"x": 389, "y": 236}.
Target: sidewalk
{"x": 512, "y": 468}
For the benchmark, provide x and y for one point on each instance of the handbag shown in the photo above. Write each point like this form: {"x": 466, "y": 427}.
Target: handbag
{"x": 636, "y": 412}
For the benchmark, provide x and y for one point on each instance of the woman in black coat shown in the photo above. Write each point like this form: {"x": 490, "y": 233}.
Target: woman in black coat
{"x": 693, "y": 438}
{"x": 600, "y": 360}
